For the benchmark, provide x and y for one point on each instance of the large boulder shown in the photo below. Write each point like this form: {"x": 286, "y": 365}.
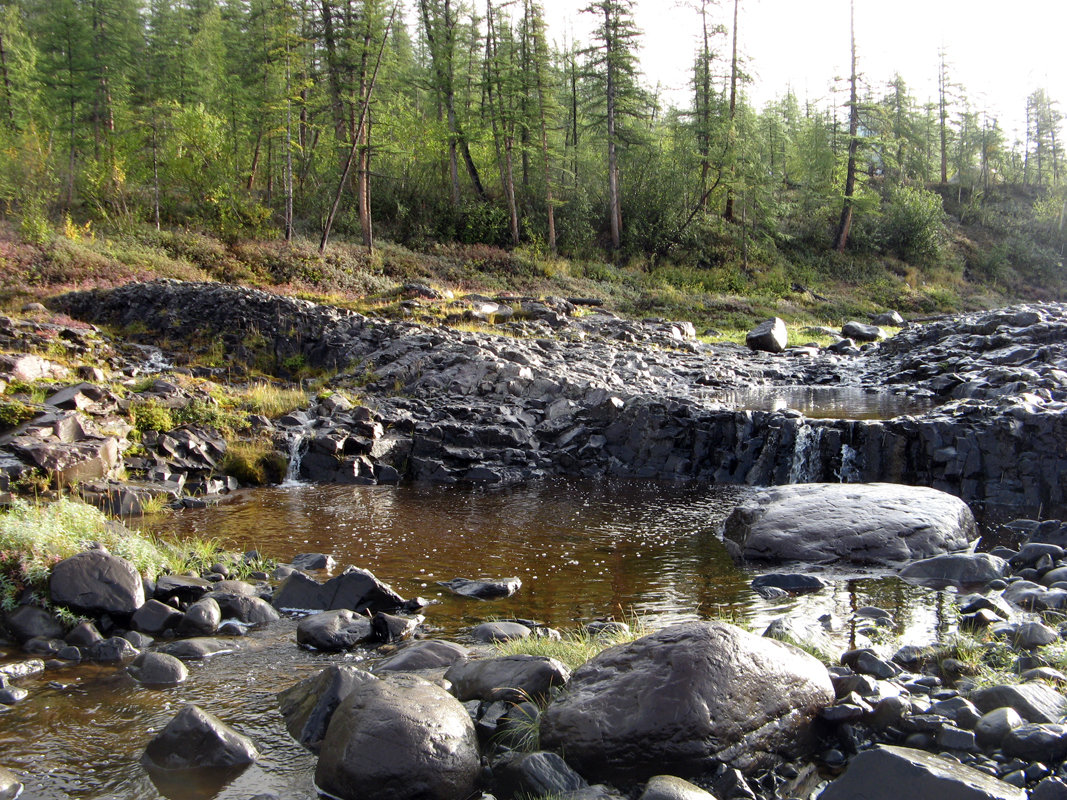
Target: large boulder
{"x": 308, "y": 706}
{"x": 400, "y": 738}
{"x": 355, "y": 589}
{"x": 195, "y": 738}
{"x": 963, "y": 570}
{"x": 510, "y": 678}
{"x": 484, "y": 588}
{"x": 29, "y": 622}
{"x": 889, "y": 773}
{"x": 10, "y": 785}
{"x": 96, "y": 582}
{"x": 422, "y": 654}
{"x": 1034, "y": 701}
{"x": 158, "y": 669}
{"x": 771, "y": 336}
{"x": 685, "y": 698}
{"x": 873, "y": 523}
{"x": 861, "y": 332}
{"x": 332, "y": 631}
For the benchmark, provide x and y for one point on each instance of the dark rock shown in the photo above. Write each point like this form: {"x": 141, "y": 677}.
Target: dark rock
{"x": 202, "y": 618}
{"x": 308, "y": 706}
{"x": 861, "y": 523}
{"x": 251, "y": 611}
{"x": 950, "y": 738}
{"x": 40, "y": 646}
{"x": 158, "y": 669}
{"x": 668, "y": 787}
{"x": 332, "y": 631}
{"x": 195, "y": 738}
{"x": 84, "y": 634}
{"x": 793, "y": 583}
{"x": 861, "y": 332}
{"x": 10, "y": 785}
{"x": 515, "y": 678}
{"x": 1036, "y": 742}
{"x": 1031, "y": 635}
{"x": 29, "y": 622}
{"x": 197, "y": 648}
{"x": 958, "y": 709}
{"x": 312, "y": 561}
{"x": 887, "y": 772}
{"x": 890, "y": 318}
{"x": 536, "y": 775}
{"x": 96, "y": 582}
{"x": 399, "y": 739}
{"x": 187, "y": 588}
{"x": 771, "y": 336}
{"x": 499, "y": 631}
{"x": 355, "y": 589}
{"x": 112, "y": 650}
{"x": 484, "y": 589}
{"x": 155, "y": 617}
{"x": 1034, "y": 702}
{"x": 956, "y": 569}
{"x": 389, "y": 628}
{"x": 1049, "y": 789}
{"x": 422, "y": 654}
{"x": 684, "y": 697}
{"x": 10, "y": 695}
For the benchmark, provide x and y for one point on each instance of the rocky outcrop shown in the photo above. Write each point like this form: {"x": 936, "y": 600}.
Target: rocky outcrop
{"x": 862, "y": 524}
{"x": 684, "y": 699}
{"x": 399, "y": 739}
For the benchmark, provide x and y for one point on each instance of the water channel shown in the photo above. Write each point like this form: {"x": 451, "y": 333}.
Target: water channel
{"x": 583, "y": 550}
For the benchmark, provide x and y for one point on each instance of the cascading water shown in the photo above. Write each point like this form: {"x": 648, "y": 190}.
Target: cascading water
{"x": 850, "y": 465}
{"x": 807, "y": 455}
{"x": 299, "y": 441}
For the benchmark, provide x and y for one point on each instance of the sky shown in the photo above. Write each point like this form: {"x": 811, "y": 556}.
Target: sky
{"x": 999, "y": 51}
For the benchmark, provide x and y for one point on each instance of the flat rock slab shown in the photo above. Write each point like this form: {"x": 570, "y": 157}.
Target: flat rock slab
{"x": 873, "y": 523}
{"x": 890, "y": 773}
{"x": 484, "y": 588}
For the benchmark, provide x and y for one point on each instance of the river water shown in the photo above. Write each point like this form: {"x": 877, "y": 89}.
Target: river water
{"x": 583, "y": 550}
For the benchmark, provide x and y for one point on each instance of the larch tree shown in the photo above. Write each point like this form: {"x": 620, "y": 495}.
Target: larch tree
{"x": 844, "y": 225}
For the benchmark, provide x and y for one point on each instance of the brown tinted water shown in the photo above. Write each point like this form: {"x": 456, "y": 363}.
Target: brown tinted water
{"x": 582, "y": 549}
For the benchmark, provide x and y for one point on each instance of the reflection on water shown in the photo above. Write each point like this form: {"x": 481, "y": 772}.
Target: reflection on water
{"x": 582, "y": 549}
{"x": 827, "y": 402}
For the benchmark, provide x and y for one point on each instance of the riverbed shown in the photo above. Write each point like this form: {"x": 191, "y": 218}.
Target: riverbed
{"x": 584, "y": 550}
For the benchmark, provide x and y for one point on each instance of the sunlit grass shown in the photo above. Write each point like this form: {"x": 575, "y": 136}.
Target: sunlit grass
{"x": 270, "y": 400}
{"x": 574, "y": 647}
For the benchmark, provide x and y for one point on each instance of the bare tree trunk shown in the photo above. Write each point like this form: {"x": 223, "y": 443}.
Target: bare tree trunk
{"x": 288, "y": 148}
{"x": 728, "y": 212}
{"x": 845, "y": 224}
{"x": 942, "y": 90}
{"x": 614, "y": 211}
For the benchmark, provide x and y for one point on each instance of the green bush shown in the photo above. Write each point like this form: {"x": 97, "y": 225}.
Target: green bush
{"x": 913, "y": 224}
{"x": 149, "y": 415}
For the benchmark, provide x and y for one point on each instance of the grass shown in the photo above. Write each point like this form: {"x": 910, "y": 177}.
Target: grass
{"x": 270, "y": 400}
{"x": 574, "y": 647}
{"x": 254, "y": 462}
{"x": 35, "y": 537}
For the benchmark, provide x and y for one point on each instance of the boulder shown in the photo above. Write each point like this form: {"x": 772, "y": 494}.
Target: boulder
{"x": 332, "y": 631}
{"x": 422, "y": 654}
{"x": 862, "y": 332}
{"x": 110, "y": 651}
{"x": 197, "y": 648}
{"x": 887, "y": 772}
{"x": 202, "y": 618}
{"x": 1046, "y": 742}
{"x": 355, "y": 589}
{"x": 668, "y": 787}
{"x": 29, "y": 622}
{"x": 1034, "y": 702}
{"x": 155, "y": 617}
{"x": 402, "y": 738}
{"x": 10, "y": 785}
{"x": 195, "y": 738}
{"x": 158, "y": 669}
{"x": 769, "y": 336}
{"x": 963, "y": 570}
{"x": 685, "y": 697}
{"x": 873, "y": 523}
{"x": 510, "y": 678}
{"x": 489, "y": 632}
{"x": 308, "y": 706}
{"x": 96, "y": 582}
{"x": 249, "y": 610}
{"x": 483, "y": 588}
{"x": 308, "y": 561}
{"x": 538, "y": 774}
{"x": 890, "y": 318}
{"x": 793, "y": 583}
{"x": 186, "y": 588}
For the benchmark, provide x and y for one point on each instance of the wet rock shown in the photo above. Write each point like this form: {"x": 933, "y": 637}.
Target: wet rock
{"x": 96, "y": 582}
{"x": 21, "y": 669}
{"x": 860, "y": 523}
{"x": 155, "y": 617}
{"x": 10, "y": 785}
{"x": 158, "y": 669}
{"x": 1049, "y": 789}
{"x": 112, "y": 650}
{"x": 1034, "y": 702}
{"x": 389, "y": 628}
{"x": 202, "y": 618}
{"x": 422, "y": 654}
{"x": 794, "y": 583}
{"x": 887, "y": 772}
{"x": 484, "y": 589}
{"x": 28, "y": 622}
{"x": 515, "y": 678}
{"x": 40, "y": 646}
{"x": 313, "y": 561}
{"x": 732, "y": 697}
{"x": 196, "y": 738}
{"x": 956, "y": 569}
{"x": 84, "y": 634}
{"x": 1036, "y": 742}
{"x": 333, "y": 631}
{"x": 536, "y": 775}
{"x": 10, "y": 695}
{"x": 399, "y": 739}
{"x": 308, "y": 706}
{"x": 355, "y": 589}
{"x": 668, "y": 787}
{"x": 186, "y": 588}
{"x": 197, "y": 648}
{"x": 489, "y": 632}
{"x": 770, "y": 336}
{"x": 251, "y": 611}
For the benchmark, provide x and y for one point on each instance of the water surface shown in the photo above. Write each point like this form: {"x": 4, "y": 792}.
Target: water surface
{"x": 827, "y": 402}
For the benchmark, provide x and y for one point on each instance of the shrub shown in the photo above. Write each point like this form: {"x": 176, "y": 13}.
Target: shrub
{"x": 913, "y": 224}
{"x": 254, "y": 462}
{"x": 149, "y": 415}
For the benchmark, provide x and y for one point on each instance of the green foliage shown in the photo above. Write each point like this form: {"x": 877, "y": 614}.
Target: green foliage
{"x": 254, "y": 462}
{"x": 913, "y": 224}
{"x": 14, "y": 412}
{"x": 150, "y": 415}
{"x": 573, "y": 648}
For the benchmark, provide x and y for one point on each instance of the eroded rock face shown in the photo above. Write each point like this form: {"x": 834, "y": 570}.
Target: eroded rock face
{"x": 862, "y": 523}
{"x": 399, "y": 739}
{"x": 96, "y": 582}
{"x": 684, "y": 699}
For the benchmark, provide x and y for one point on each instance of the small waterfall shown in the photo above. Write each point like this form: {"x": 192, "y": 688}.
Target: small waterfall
{"x": 850, "y": 465}
{"x": 299, "y": 441}
{"x": 807, "y": 455}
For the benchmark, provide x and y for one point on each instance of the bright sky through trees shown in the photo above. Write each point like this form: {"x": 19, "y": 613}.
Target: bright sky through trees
{"x": 999, "y": 52}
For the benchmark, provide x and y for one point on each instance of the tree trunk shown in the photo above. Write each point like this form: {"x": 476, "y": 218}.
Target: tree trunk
{"x": 845, "y": 224}
{"x": 614, "y": 212}
{"x": 728, "y": 212}
{"x": 942, "y": 89}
